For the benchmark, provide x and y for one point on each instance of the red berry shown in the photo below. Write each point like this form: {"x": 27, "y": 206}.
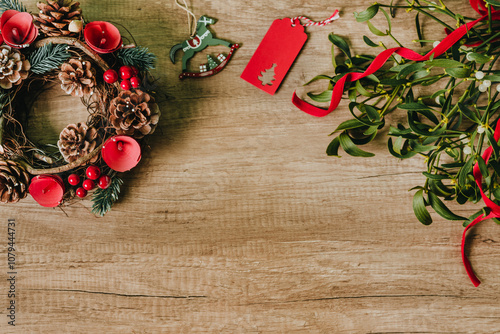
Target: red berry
{"x": 104, "y": 182}
{"x": 135, "y": 82}
{"x": 126, "y": 72}
{"x": 80, "y": 192}
{"x": 125, "y": 85}
{"x": 135, "y": 71}
{"x": 73, "y": 179}
{"x": 110, "y": 76}
{"x": 88, "y": 184}
{"x": 93, "y": 172}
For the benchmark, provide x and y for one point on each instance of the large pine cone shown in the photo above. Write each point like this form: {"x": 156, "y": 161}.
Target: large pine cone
{"x": 76, "y": 77}
{"x": 55, "y": 17}
{"x": 13, "y": 67}
{"x": 76, "y": 141}
{"x": 134, "y": 113}
{"x": 14, "y": 182}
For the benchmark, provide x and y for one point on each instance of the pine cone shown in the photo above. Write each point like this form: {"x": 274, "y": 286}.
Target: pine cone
{"x": 55, "y": 16}
{"x": 76, "y": 77}
{"x": 14, "y": 182}
{"x": 13, "y": 67}
{"x": 134, "y": 114}
{"x": 76, "y": 141}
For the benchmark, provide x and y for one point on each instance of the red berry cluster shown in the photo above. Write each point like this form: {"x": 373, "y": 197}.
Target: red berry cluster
{"x": 93, "y": 174}
{"x": 128, "y": 74}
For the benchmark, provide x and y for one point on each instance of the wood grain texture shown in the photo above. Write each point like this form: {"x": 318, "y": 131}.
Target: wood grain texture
{"x": 236, "y": 221}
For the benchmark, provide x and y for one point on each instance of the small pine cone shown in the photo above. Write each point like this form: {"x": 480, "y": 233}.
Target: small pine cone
{"x": 134, "y": 114}
{"x": 77, "y": 77}
{"x": 76, "y": 141}
{"x": 13, "y": 67}
{"x": 14, "y": 182}
{"x": 55, "y": 16}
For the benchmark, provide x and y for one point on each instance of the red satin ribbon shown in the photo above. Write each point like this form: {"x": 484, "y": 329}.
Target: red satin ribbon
{"x": 381, "y": 59}
{"x": 453, "y": 37}
{"x": 495, "y": 209}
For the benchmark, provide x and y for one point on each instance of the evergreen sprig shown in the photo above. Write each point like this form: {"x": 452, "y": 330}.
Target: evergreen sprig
{"x": 103, "y": 199}
{"x": 451, "y": 102}
{"x": 139, "y": 57}
{"x": 12, "y": 4}
{"x": 48, "y": 57}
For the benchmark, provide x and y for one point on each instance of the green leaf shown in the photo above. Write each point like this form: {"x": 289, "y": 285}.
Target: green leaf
{"x": 361, "y": 90}
{"x": 367, "y": 14}
{"x": 478, "y": 58}
{"x": 410, "y": 69}
{"x": 419, "y": 31}
{"x": 374, "y": 30}
{"x": 493, "y": 143}
{"x": 482, "y": 166}
{"x": 459, "y": 73}
{"x": 325, "y": 96}
{"x": 388, "y": 18}
{"x": 441, "y": 209}
{"x": 333, "y": 147}
{"x": 369, "y": 42}
{"x": 493, "y": 2}
{"x": 371, "y": 112}
{"x": 349, "y": 124}
{"x": 419, "y": 208}
{"x": 492, "y": 78}
{"x": 444, "y": 63}
{"x": 414, "y": 106}
{"x": 468, "y": 113}
{"x": 350, "y": 148}
{"x": 318, "y": 77}
{"x": 419, "y": 75}
{"x": 340, "y": 43}
{"x": 464, "y": 172}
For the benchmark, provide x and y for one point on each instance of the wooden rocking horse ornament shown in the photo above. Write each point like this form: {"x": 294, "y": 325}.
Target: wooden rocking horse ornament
{"x": 200, "y": 41}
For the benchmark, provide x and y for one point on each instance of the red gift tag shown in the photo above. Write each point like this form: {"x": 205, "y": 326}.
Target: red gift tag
{"x": 275, "y": 55}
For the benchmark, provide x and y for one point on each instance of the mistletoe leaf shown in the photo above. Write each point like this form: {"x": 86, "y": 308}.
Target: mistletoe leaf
{"x": 419, "y": 208}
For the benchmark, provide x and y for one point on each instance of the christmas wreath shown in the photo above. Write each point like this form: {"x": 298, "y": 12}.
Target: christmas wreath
{"x": 55, "y": 44}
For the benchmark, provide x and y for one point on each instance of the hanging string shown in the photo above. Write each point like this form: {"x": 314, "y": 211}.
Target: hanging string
{"x": 310, "y": 22}
{"x": 191, "y": 17}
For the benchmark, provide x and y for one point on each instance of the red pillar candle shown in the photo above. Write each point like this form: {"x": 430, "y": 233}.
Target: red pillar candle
{"x": 47, "y": 190}
{"x": 121, "y": 153}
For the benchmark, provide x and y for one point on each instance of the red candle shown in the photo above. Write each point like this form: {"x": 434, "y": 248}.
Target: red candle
{"x": 47, "y": 190}
{"x": 121, "y": 153}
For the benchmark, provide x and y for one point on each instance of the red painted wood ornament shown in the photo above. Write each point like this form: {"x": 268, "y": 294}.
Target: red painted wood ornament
{"x": 47, "y": 190}
{"x": 277, "y": 52}
{"x": 121, "y": 153}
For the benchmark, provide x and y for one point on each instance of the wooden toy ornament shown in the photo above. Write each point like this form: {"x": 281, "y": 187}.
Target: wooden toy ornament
{"x": 201, "y": 37}
{"x": 277, "y": 52}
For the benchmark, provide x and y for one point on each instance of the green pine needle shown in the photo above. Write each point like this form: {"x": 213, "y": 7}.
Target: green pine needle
{"x": 139, "y": 57}
{"x": 103, "y": 199}
{"x": 12, "y": 4}
{"x": 48, "y": 57}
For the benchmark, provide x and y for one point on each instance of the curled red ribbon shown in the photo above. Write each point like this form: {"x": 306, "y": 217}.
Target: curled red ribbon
{"x": 453, "y": 37}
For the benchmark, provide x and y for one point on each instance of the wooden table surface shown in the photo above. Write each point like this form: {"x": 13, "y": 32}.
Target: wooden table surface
{"x": 236, "y": 221}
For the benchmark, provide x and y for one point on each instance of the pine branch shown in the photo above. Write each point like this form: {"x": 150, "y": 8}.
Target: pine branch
{"x": 12, "y": 4}
{"x": 48, "y": 57}
{"x": 103, "y": 199}
{"x": 139, "y": 57}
